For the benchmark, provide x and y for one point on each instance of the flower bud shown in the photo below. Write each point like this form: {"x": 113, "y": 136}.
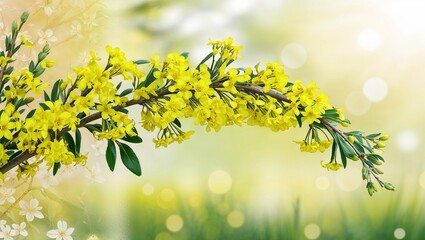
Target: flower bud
{"x": 389, "y": 186}
{"x": 377, "y": 170}
{"x": 29, "y": 100}
{"x": 380, "y": 144}
{"x": 351, "y": 138}
{"x": 384, "y": 138}
{"x": 344, "y": 124}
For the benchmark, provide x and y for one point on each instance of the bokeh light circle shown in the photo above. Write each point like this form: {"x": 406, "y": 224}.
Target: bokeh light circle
{"x": 219, "y": 182}
{"x": 375, "y": 89}
{"x": 322, "y": 182}
{"x": 407, "y": 140}
{"x": 235, "y": 219}
{"x": 357, "y": 104}
{"x": 293, "y": 55}
{"x": 312, "y": 231}
{"x": 148, "y": 189}
{"x": 369, "y": 39}
{"x": 399, "y": 233}
{"x": 174, "y": 223}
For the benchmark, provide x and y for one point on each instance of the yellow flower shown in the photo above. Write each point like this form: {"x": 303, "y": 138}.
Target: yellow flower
{"x": 106, "y": 110}
{"x": 310, "y": 114}
{"x": 6, "y": 126}
{"x": 48, "y": 63}
{"x": 331, "y": 165}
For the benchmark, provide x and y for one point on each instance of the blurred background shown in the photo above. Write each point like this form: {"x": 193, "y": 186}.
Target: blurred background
{"x": 246, "y": 182}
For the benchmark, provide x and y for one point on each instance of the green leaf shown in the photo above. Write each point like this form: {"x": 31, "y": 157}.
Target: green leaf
{"x": 81, "y": 115}
{"x": 342, "y": 152}
{"x": 46, "y": 96}
{"x": 42, "y": 55}
{"x": 133, "y": 139}
{"x": 150, "y": 78}
{"x": 56, "y": 167}
{"x": 70, "y": 142}
{"x": 13, "y": 154}
{"x": 118, "y": 86}
{"x": 142, "y": 61}
{"x": 334, "y": 149}
{"x": 77, "y": 141}
{"x": 9, "y": 70}
{"x": 38, "y": 71}
{"x": 358, "y": 146}
{"x": 55, "y": 90}
{"x": 185, "y": 54}
{"x": 123, "y": 110}
{"x": 204, "y": 60}
{"x": 44, "y": 106}
{"x": 129, "y": 158}
{"x": 93, "y": 127}
{"x": 177, "y": 122}
{"x": 31, "y": 113}
{"x": 331, "y": 113}
{"x": 24, "y": 17}
{"x": 300, "y": 122}
{"x": 354, "y": 133}
{"x": 31, "y": 67}
{"x": 7, "y": 42}
{"x": 14, "y": 27}
{"x": 16, "y": 49}
{"x": 373, "y": 136}
{"x": 111, "y": 155}
{"x": 126, "y": 92}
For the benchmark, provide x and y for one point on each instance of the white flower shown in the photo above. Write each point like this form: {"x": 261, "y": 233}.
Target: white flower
{"x": 62, "y": 233}
{"x": 89, "y": 20}
{"x": 46, "y": 178}
{"x": 20, "y": 229}
{"x": 49, "y": 6}
{"x": 76, "y": 29}
{"x": 99, "y": 148}
{"x": 95, "y": 174}
{"x": 7, "y": 233}
{"x": 46, "y": 37}
{"x": 6, "y": 195}
{"x": 31, "y": 209}
{"x": 2, "y": 222}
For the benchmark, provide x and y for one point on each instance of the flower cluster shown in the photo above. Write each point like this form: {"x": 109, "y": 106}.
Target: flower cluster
{"x": 97, "y": 97}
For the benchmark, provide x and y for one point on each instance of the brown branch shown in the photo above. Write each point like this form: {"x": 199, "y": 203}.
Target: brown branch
{"x": 27, "y": 155}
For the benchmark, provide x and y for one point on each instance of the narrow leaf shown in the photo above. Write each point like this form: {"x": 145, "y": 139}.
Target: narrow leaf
{"x": 204, "y": 60}
{"x": 185, "y": 54}
{"x": 46, "y": 96}
{"x": 341, "y": 151}
{"x": 93, "y": 127}
{"x": 118, "y": 86}
{"x": 55, "y": 90}
{"x": 129, "y": 158}
{"x": 133, "y": 139}
{"x": 177, "y": 122}
{"x": 149, "y": 78}
{"x": 77, "y": 141}
{"x": 300, "y": 123}
{"x": 126, "y": 92}
{"x": 70, "y": 142}
{"x": 56, "y": 167}
{"x": 142, "y": 61}
{"x": 111, "y": 155}
{"x": 372, "y": 136}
